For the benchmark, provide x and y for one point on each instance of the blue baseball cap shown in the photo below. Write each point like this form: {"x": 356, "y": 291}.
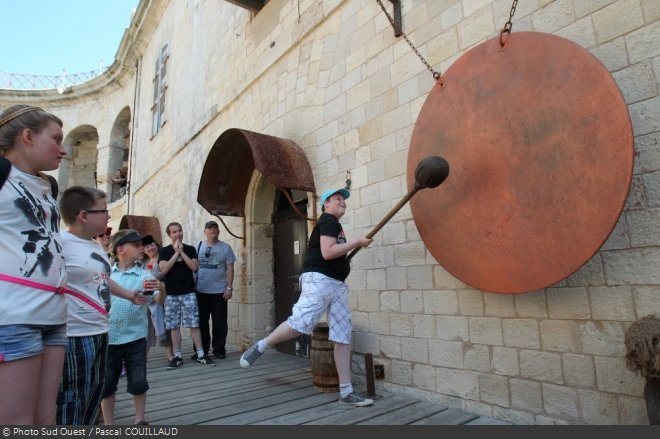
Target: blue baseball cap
{"x": 327, "y": 194}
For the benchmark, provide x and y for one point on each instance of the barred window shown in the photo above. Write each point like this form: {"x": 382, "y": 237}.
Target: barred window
{"x": 158, "y": 118}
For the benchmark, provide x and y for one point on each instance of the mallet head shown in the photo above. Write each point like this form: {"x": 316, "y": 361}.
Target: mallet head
{"x": 431, "y": 172}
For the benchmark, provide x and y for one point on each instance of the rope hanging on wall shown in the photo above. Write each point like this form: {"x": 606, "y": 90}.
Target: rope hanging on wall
{"x": 643, "y": 347}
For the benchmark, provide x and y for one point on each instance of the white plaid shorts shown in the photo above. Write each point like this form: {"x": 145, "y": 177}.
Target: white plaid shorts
{"x": 322, "y": 294}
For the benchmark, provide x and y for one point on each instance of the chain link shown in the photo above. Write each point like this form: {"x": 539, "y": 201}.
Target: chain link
{"x": 436, "y": 75}
{"x": 509, "y": 24}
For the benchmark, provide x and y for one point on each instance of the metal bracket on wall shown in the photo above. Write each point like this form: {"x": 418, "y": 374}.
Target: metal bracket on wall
{"x": 398, "y": 27}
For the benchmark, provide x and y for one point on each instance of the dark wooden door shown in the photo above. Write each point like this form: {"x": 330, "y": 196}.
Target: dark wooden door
{"x": 289, "y": 247}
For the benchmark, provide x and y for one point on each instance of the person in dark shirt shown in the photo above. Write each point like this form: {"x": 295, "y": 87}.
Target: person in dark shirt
{"x": 177, "y": 263}
{"x": 323, "y": 290}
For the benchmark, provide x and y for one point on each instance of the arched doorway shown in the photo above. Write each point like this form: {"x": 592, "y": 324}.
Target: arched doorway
{"x": 119, "y": 152}
{"x": 79, "y": 165}
{"x": 255, "y": 176}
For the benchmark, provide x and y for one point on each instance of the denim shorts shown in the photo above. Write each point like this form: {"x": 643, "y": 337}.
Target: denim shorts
{"x": 24, "y": 341}
{"x": 134, "y": 356}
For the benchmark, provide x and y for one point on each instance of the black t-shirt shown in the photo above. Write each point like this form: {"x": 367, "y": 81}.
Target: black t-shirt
{"x": 339, "y": 268}
{"x": 179, "y": 280}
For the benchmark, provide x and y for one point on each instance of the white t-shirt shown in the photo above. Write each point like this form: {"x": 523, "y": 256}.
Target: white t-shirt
{"x": 30, "y": 250}
{"x": 88, "y": 271}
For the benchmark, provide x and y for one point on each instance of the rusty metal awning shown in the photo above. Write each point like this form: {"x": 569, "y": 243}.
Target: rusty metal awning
{"x": 234, "y": 157}
{"x": 146, "y": 225}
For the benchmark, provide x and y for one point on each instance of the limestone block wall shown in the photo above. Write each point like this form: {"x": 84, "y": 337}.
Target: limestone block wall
{"x": 331, "y": 76}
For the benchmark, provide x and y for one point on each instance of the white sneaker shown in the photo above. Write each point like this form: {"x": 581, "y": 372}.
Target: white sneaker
{"x": 355, "y": 400}
{"x": 250, "y": 356}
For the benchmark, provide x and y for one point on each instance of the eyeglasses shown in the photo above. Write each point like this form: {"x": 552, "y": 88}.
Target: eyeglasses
{"x": 97, "y": 211}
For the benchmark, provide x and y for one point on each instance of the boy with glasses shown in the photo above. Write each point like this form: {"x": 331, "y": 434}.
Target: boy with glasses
{"x": 83, "y": 210}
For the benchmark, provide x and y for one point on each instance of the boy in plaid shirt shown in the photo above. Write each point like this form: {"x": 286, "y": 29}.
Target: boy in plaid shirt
{"x": 128, "y": 327}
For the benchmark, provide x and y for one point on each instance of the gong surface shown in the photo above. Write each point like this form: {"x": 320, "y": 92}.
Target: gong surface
{"x": 540, "y": 145}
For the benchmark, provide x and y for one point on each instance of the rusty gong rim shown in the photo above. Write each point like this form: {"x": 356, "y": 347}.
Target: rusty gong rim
{"x": 540, "y": 144}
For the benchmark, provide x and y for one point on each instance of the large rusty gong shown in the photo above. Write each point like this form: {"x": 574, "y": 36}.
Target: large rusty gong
{"x": 540, "y": 145}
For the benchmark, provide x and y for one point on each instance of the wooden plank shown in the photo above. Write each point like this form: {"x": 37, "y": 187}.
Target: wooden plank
{"x": 406, "y": 415}
{"x": 226, "y": 376}
{"x": 278, "y": 375}
{"x": 306, "y": 415}
{"x": 193, "y": 396}
{"x": 277, "y": 390}
{"x": 275, "y": 411}
{"x": 314, "y": 413}
{"x": 448, "y": 417}
{"x": 194, "y": 402}
{"x": 205, "y": 412}
{"x": 208, "y": 394}
{"x": 354, "y": 415}
{"x": 484, "y": 420}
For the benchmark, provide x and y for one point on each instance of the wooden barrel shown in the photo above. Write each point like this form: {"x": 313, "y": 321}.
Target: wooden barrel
{"x": 321, "y": 354}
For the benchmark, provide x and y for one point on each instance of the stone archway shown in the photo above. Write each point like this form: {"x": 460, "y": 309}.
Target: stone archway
{"x": 79, "y": 165}
{"x": 118, "y": 153}
{"x": 257, "y": 306}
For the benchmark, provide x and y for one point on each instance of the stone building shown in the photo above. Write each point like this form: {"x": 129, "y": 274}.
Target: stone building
{"x": 225, "y": 90}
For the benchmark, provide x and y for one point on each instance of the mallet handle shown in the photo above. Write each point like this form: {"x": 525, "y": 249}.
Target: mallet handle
{"x": 387, "y": 217}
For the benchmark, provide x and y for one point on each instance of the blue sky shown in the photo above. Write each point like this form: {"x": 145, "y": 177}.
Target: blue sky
{"x": 42, "y": 37}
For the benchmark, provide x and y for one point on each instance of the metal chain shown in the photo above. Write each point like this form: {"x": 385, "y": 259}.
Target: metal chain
{"x": 436, "y": 75}
{"x": 509, "y": 25}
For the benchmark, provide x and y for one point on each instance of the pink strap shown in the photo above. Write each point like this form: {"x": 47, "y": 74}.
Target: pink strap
{"x": 52, "y": 289}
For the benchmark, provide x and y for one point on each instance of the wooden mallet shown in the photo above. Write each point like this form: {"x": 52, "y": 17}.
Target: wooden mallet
{"x": 430, "y": 173}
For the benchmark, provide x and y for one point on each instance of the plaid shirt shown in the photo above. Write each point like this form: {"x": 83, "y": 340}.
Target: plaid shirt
{"x": 128, "y": 322}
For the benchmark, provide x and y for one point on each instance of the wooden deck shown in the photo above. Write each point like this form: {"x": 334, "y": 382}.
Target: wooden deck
{"x": 278, "y": 389}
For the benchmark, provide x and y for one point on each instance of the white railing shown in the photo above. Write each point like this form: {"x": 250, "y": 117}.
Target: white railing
{"x": 17, "y": 81}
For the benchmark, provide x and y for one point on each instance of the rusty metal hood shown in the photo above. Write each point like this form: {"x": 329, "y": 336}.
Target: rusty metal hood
{"x": 234, "y": 157}
{"x": 146, "y": 225}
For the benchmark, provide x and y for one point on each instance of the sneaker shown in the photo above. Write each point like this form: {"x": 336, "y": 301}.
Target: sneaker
{"x": 193, "y": 357}
{"x": 176, "y": 362}
{"x": 206, "y": 361}
{"x": 220, "y": 356}
{"x": 355, "y": 400}
{"x": 250, "y": 356}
